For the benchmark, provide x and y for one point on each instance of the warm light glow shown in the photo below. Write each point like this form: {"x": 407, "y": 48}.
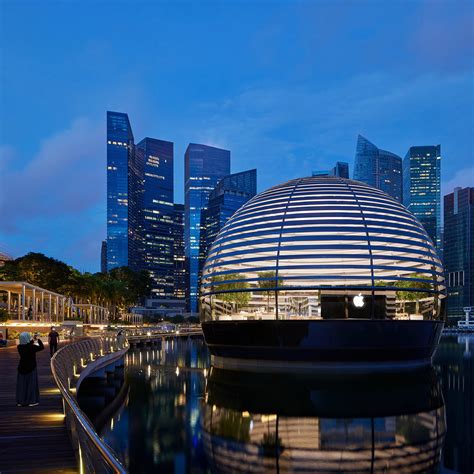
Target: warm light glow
{"x": 47, "y": 417}
{"x": 50, "y": 391}
{"x": 268, "y": 418}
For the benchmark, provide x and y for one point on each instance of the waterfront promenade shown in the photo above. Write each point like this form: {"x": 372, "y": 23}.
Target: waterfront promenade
{"x": 32, "y": 439}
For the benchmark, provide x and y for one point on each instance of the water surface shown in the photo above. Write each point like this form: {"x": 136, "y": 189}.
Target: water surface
{"x": 181, "y": 415}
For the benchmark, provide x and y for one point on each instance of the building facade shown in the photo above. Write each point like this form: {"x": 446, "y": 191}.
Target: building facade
{"x": 120, "y": 152}
{"x": 230, "y": 194}
{"x": 204, "y": 167}
{"x": 178, "y": 249}
{"x": 378, "y": 168}
{"x": 158, "y": 214}
{"x": 341, "y": 170}
{"x": 296, "y": 269}
{"x": 459, "y": 249}
{"x": 422, "y": 187}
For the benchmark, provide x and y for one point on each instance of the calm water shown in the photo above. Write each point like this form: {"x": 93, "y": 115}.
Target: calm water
{"x": 179, "y": 415}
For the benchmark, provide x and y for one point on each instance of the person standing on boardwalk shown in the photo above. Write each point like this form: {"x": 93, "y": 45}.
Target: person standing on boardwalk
{"x": 120, "y": 339}
{"x": 53, "y": 339}
{"x": 27, "y": 389}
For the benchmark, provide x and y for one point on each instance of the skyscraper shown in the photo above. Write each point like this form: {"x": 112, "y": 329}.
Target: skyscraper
{"x": 422, "y": 187}
{"x": 120, "y": 153}
{"x": 230, "y": 193}
{"x": 157, "y": 212}
{"x": 204, "y": 167}
{"x": 341, "y": 170}
{"x": 379, "y": 168}
{"x": 178, "y": 247}
{"x": 459, "y": 249}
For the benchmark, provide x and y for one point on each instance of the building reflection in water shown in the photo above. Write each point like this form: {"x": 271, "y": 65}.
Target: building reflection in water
{"x": 454, "y": 365}
{"x": 181, "y": 416}
{"x": 258, "y": 423}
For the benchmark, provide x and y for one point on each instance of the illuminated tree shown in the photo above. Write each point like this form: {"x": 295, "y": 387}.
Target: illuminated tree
{"x": 268, "y": 280}
{"x": 238, "y": 293}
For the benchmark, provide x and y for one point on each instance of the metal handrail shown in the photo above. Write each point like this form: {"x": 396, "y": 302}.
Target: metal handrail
{"x": 107, "y": 453}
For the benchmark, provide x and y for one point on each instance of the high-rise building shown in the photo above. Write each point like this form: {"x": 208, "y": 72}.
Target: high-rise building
{"x": 341, "y": 170}
{"x": 179, "y": 258}
{"x": 379, "y": 168}
{"x": 157, "y": 212}
{"x": 459, "y": 249}
{"x": 422, "y": 187}
{"x": 204, "y": 167}
{"x": 136, "y": 180}
{"x": 230, "y": 193}
{"x": 103, "y": 257}
{"x": 120, "y": 154}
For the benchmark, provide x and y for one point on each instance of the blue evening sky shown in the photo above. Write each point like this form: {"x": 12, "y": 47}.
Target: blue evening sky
{"x": 285, "y": 85}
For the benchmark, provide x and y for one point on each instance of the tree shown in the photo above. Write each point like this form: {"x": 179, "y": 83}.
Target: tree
{"x": 239, "y": 298}
{"x": 116, "y": 290}
{"x": 406, "y": 295}
{"x": 269, "y": 281}
{"x": 37, "y": 269}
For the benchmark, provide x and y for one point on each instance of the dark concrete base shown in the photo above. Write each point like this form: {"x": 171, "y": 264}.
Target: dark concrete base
{"x": 353, "y": 345}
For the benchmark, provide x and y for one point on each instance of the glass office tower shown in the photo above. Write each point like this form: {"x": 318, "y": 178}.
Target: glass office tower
{"x": 459, "y": 249}
{"x": 378, "y": 168}
{"x": 341, "y": 170}
{"x": 120, "y": 153}
{"x": 422, "y": 188}
{"x": 178, "y": 247}
{"x": 230, "y": 194}
{"x": 204, "y": 166}
{"x": 158, "y": 214}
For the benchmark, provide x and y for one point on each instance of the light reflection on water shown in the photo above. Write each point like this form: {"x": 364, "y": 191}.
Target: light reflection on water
{"x": 183, "y": 416}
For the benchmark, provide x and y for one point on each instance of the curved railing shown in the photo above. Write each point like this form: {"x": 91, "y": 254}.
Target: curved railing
{"x": 70, "y": 365}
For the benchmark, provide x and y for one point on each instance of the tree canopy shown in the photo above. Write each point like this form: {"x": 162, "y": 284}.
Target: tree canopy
{"x": 240, "y": 298}
{"x": 118, "y": 289}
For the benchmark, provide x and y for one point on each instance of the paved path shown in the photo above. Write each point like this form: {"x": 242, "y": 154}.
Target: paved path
{"x": 32, "y": 439}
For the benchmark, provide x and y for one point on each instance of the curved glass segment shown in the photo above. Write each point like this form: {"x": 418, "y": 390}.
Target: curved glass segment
{"x": 322, "y": 248}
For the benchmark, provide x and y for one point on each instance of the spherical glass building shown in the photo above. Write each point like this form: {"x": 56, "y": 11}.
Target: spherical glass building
{"x": 322, "y": 271}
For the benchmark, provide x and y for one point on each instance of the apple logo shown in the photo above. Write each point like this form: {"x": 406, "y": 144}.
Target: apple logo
{"x": 358, "y": 301}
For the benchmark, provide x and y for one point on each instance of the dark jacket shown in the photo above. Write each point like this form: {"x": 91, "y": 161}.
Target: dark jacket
{"x": 53, "y": 337}
{"x": 28, "y": 356}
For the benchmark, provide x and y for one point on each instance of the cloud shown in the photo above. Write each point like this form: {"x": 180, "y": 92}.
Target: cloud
{"x": 293, "y": 129}
{"x": 444, "y": 36}
{"x": 65, "y": 177}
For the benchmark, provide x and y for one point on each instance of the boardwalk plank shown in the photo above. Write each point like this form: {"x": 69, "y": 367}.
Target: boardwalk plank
{"x": 32, "y": 439}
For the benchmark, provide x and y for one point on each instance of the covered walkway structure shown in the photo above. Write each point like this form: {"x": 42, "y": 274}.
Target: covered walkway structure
{"x": 27, "y": 302}
{"x": 91, "y": 313}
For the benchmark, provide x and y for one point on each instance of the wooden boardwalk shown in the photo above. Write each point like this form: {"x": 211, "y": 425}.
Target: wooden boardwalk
{"x": 32, "y": 439}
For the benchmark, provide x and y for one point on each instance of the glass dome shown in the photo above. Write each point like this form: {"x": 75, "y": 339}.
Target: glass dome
{"x": 322, "y": 248}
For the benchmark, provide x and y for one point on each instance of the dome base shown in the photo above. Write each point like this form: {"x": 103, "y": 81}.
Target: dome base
{"x": 322, "y": 345}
